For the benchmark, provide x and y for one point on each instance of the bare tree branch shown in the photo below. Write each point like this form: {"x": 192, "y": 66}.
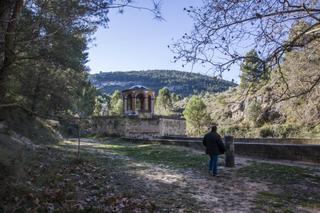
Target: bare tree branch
{"x": 225, "y": 30}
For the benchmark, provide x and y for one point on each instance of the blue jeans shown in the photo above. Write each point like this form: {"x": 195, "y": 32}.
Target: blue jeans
{"x": 213, "y": 164}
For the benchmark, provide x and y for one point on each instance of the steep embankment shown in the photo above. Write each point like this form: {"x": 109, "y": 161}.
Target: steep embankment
{"x": 15, "y": 122}
{"x": 286, "y": 104}
{"x": 20, "y": 134}
{"x": 254, "y": 115}
{"x": 182, "y": 83}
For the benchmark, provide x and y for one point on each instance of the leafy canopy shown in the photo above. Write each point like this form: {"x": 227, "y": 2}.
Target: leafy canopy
{"x": 196, "y": 116}
{"x": 116, "y": 103}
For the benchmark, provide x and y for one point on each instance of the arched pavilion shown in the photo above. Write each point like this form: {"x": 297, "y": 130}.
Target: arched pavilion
{"x": 138, "y": 100}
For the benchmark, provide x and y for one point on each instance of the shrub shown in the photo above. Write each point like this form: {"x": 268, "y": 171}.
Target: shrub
{"x": 316, "y": 129}
{"x": 197, "y": 117}
{"x": 253, "y": 113}
{"x": 230, "y": 130}
{"x": 286, "y": 130}
{"x": 222, "y": 100}
{"x": 266, "y": 132}
{"x": 234, "y": 130}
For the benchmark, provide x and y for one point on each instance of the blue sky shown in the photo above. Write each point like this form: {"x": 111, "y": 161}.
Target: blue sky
{"x": 136, "y": 41}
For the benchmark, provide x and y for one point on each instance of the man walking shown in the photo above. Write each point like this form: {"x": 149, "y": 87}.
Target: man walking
{"x": 214, "y": 147}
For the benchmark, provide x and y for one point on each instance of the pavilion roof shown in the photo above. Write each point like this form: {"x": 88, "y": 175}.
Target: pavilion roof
{"x": 137, "y": 87}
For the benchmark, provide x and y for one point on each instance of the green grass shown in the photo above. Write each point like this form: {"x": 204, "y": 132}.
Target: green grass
{"x": 171, "y": 156}
{"x": 270, "y": 202}
{"x": 276, "y": 174}
{"x": 286, "y": 201}
{"x": 289, "y": 186}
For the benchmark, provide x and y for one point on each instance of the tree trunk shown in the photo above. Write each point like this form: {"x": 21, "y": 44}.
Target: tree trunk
{"x": 79, "y": 132}
{"x": 5, "y": 11}
{"x": 12, "y": 10}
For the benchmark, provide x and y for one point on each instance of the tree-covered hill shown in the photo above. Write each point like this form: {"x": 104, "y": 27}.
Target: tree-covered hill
{"x": 182, "y": 83}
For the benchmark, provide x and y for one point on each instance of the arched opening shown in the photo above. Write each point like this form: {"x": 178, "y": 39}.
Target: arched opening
{"x": 140, "y": 102}
{"x": 129, "y": 102}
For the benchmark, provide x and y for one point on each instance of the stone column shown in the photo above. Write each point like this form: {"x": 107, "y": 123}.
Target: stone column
{"x": 125, "y": 105}
{"x": 152, "y": 105}
{"x": 145, "y": 102}
{"x": 229, "y": 155}
{"x": 133, "y": 103}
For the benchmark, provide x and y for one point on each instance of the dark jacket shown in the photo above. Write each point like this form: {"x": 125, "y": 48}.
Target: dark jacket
{"x": 213, "y": 143}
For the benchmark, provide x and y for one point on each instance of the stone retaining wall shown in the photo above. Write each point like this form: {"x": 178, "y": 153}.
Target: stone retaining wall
{"x": 113, "y": 126}
{"x": 135, "y": 127}
{"x": 257, "y": 140}
{"x": 278, "y": 140}
{"x": 141, "y": 127}
{"x": 172, "y": 127}
{"x": 294, "y": 152}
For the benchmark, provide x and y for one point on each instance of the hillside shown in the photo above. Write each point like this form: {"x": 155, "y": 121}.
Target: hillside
{"x": 182, "y": 83}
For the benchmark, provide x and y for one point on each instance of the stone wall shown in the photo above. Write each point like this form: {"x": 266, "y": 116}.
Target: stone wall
{"x": 172, "y": 127}
{"x": 141, "y": 127}
{"x": 294, "y": 152}
{"x": 257, "y": 140}
{"x": 278, "y": 140}
{"x": 135, "y": 127}
{"x": 113, "y": 126}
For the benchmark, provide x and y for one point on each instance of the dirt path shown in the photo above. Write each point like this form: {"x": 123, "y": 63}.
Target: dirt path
{"x": 183, "y": 189}
{"x": 217, "y": 194}
{"x": 187, "y": 189}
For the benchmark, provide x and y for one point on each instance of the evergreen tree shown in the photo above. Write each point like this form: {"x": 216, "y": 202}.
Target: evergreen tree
{"x": 85, "y": 104}
{"x": 251, "y": 69}
{"x": 116, "y": 103}
{"x": 196, "y": 116}
{"x": 102, "y": 105}
{"x": 175, "y": 97}
{"x": 164, "y": 102}
{"x": 44, "y": 43}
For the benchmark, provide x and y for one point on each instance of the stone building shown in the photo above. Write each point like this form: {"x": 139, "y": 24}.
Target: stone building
{"x": 139, "y": 120}
{"x": 136, "y": 127}
{"x": 138, "y": 100}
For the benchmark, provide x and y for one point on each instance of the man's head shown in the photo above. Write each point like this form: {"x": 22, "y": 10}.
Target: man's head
{"x": 214, "y": 128}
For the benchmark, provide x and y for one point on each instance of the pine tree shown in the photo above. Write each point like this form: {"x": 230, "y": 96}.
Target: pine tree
{"x": 164, "y": 102}
{"x": 251, "y": 69}
{"x": 196, "y": 116}
{"x": 116, "y": 103}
